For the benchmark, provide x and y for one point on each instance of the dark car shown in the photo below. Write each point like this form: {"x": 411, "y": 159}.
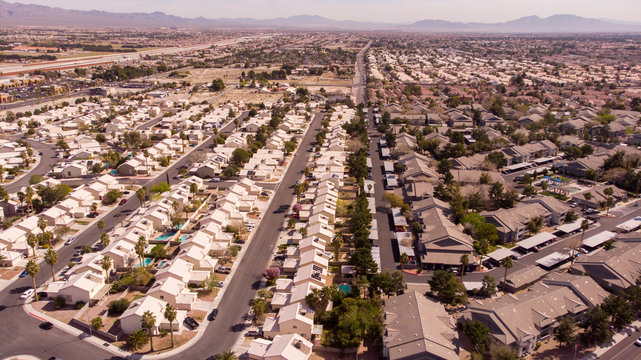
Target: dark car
{"x": 191, "y": 323}
{"x": 212, "y": 315}
{"x": 46, "y": 325}
{"x": 123, "y": 201}
{"x": 23, "y": 274}
{"x": 93, "y": 214}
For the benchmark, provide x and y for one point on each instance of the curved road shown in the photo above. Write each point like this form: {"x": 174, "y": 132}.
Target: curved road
{"x": 20, "y": 333}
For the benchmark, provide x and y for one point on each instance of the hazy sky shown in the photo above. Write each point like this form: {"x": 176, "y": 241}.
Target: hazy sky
{"x": 368, "y": 10}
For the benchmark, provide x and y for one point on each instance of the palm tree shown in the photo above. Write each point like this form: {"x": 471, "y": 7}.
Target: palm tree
{"x": 32, "y": 241}
{"x": 170, "y": 315}
{"x": 51, "y": 258}
{"x": 148, "y": 322}
{"x": 101, "y": 226}
{"x": 299, "y": 189}
{"x": 259, "y": 307}
{"x": 104, "y": 240}
{"x": 227, "y": 355}
{"x": 585, "y": 224}
{"x": 28, "y": 198}
{"x": 32, "y": 269}
{"x": 42, "y": 224}
{"x": 465, "y": 261}
{"x": 105, "y": 264}
{"x": 141, "y": 194}
{"x": 140, "y": 248}
{"x": 336, "y": 244}
{"x": 507, "y": 264}
{"x": 404, "y": 259}
{"x": 21, "y": 197}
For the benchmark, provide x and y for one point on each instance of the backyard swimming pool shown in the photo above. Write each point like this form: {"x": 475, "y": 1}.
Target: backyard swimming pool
{"x": 166, "y": 236}
{"x": 146, "y": 262}
{"x": 182, "y": 238}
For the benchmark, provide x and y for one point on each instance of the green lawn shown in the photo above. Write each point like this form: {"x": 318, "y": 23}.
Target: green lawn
{"x": 560, "y": 197}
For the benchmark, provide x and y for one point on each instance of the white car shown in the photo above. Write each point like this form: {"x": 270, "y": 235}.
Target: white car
{"x": 27, "y": 294}
{"x": 638, "y": 342}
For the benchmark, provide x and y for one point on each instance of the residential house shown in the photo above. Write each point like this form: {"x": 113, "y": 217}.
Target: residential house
{"x": 511, "y": 224}
{"x": 539, "y": 310}
{"x": 418, "y": 328}
{"x": 131, "y": 319}
{"x": 282, "y": 347}
{"x": 292, "y": 319}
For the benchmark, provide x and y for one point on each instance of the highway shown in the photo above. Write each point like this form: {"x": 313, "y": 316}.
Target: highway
{"x": 19, "y": 329}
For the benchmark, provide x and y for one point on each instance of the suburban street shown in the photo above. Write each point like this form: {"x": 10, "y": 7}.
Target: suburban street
{"x": 19, "y": 327}
{"x": 47, "y": 160}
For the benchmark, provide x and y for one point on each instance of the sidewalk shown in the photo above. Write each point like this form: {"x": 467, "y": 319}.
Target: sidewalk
{"x": 618, "y": 337}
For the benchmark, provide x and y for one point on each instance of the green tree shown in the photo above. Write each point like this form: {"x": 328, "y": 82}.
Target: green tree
{"x": 148, "y": 322}
{"x": 503, "y": 352}
{"x": 32, "y": 269}
{"x": 488, "y": 287}
{"x": 170, "y": 314}
{"x": 318, "y": 299}
{"x": 404, "y": 259}
{"x": 564, "y": 333}
{"x": 596, "y": 326}
{"x": 137, "y": 339}
{"x": 446, "y": 287}
{"x": 51, "y": 258}
{"x": 619, "y": 309}
{"x": 478, "y": 334}
{"x": 535, "y": 225}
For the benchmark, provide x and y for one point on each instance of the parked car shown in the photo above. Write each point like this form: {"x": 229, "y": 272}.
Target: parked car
{"x": 638, "y": 342}
{"x": 27, "y": 294}
{"x": 23, "y": 274}
{"x": 223, "y": 270}
{"x": 70, "y": 240}
{"x": 214, "y": 180}
{"x": 46, "y": 325}
{"x": 123, "y": 202}
{"x": 191, "y": 323}
{"x": 212, "y": 315}
{"x": 254, "y": 333}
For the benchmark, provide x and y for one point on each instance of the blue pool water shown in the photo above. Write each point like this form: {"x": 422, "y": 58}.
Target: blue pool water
{"x": 146, "y": 262}
{"x": 161, "y": 264}
{"x": 166, "y": 236}
{"x": 182, "y": 238}
{"x": 345, "y": 288}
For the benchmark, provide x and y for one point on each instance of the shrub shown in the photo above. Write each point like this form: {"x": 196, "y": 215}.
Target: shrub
{"x": 163, "y": 332}
{"x": 233, "y": 250}
{"x": 79, "y": 305}
{"x": 160, "y": 188}
{"x": 96, "y": 323}
{"x": 117, "y": 307}
{"x": 59, "y": 302}
{"x": 111, "y": 197}
{"x": 35, "y": 179}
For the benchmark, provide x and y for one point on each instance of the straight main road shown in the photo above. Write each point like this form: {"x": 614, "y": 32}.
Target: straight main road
{"x": 20, "y": 332}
